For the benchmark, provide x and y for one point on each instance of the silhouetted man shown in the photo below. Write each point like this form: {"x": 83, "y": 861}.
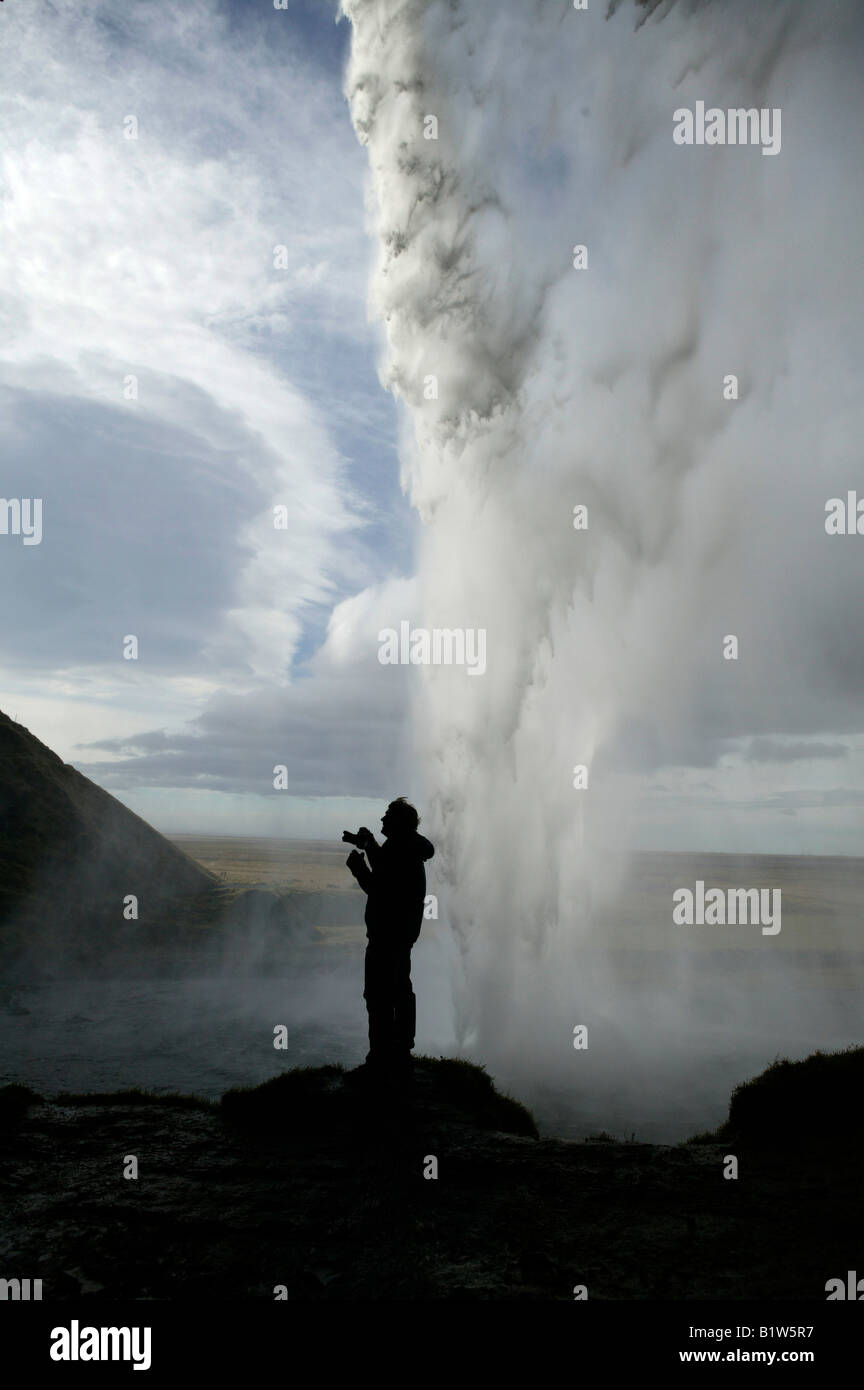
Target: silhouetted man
{"x": 394, "y": 881}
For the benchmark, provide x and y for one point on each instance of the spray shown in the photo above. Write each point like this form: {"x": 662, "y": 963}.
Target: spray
{"x": 607, "y": 380}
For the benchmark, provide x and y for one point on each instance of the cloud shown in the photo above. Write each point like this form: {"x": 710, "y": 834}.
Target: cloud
{"x": 166, "y": 384}
{"x": 150, "y": 261}
{"x": 769, "y": 750}
{"x": 341, "y": 729}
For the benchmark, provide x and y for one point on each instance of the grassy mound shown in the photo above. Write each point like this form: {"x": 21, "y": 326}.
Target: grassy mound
{"x": 322, "y": 1098}
{"x": 298, "y": 1101}
{"x": 812, "y": 1102}
{"x": 15, "y": 1101}
{"x": 470, "y": 1089}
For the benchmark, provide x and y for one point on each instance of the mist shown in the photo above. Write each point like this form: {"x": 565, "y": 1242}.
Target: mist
{"x": 528, "y": 388}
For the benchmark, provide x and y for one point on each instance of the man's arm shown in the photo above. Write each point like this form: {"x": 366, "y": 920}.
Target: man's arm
{"x": 359, "y": 868}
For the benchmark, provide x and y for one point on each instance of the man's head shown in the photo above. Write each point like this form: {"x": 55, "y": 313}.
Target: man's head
{"x": 400, "y": 818}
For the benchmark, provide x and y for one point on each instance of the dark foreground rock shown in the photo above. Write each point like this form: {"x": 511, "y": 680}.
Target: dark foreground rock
{"x": 315, "y": 1184}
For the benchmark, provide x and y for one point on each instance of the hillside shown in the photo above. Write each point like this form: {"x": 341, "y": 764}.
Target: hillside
{"x": 70, "y": 854}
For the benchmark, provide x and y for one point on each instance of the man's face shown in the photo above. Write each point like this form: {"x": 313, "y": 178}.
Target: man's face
{"x": 388, "y": 825}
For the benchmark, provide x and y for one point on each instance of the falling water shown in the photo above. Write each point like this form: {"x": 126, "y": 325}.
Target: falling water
{"x": 500, "y": 139}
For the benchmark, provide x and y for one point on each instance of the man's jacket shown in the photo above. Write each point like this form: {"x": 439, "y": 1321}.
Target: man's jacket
{"x": 395, "y": 885}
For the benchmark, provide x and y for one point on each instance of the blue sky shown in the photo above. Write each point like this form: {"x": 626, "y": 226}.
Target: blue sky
{"x": 153, "y": 258}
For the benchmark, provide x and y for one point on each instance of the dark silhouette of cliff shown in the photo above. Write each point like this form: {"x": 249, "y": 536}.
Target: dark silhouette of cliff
{"x": 70, "y": 854}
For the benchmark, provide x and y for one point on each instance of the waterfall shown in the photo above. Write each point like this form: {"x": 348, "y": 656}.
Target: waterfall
{"x": 567, "y": 293}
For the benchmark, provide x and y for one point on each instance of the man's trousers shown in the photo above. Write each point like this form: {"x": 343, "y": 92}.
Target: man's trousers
{"x": 390, "y": 1001}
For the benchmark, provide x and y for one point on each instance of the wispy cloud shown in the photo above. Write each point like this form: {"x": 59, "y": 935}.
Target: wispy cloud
{"x": 184, "y": 348}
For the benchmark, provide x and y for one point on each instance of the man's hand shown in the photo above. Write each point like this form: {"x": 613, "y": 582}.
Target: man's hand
{"x": 364, "y": 836}
{"x": 355, "y": 862}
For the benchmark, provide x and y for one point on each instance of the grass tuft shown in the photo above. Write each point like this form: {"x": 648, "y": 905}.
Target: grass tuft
{"x": 134, "y": 1097}
{"x": 813, "y": 1102}
{"x": 15, "y": 1101}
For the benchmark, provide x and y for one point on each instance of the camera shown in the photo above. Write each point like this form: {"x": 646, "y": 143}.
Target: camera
{"x": 350, "y": 838}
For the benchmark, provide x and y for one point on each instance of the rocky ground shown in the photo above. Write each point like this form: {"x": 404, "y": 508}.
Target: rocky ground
{"x": 316, "y": 1184}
